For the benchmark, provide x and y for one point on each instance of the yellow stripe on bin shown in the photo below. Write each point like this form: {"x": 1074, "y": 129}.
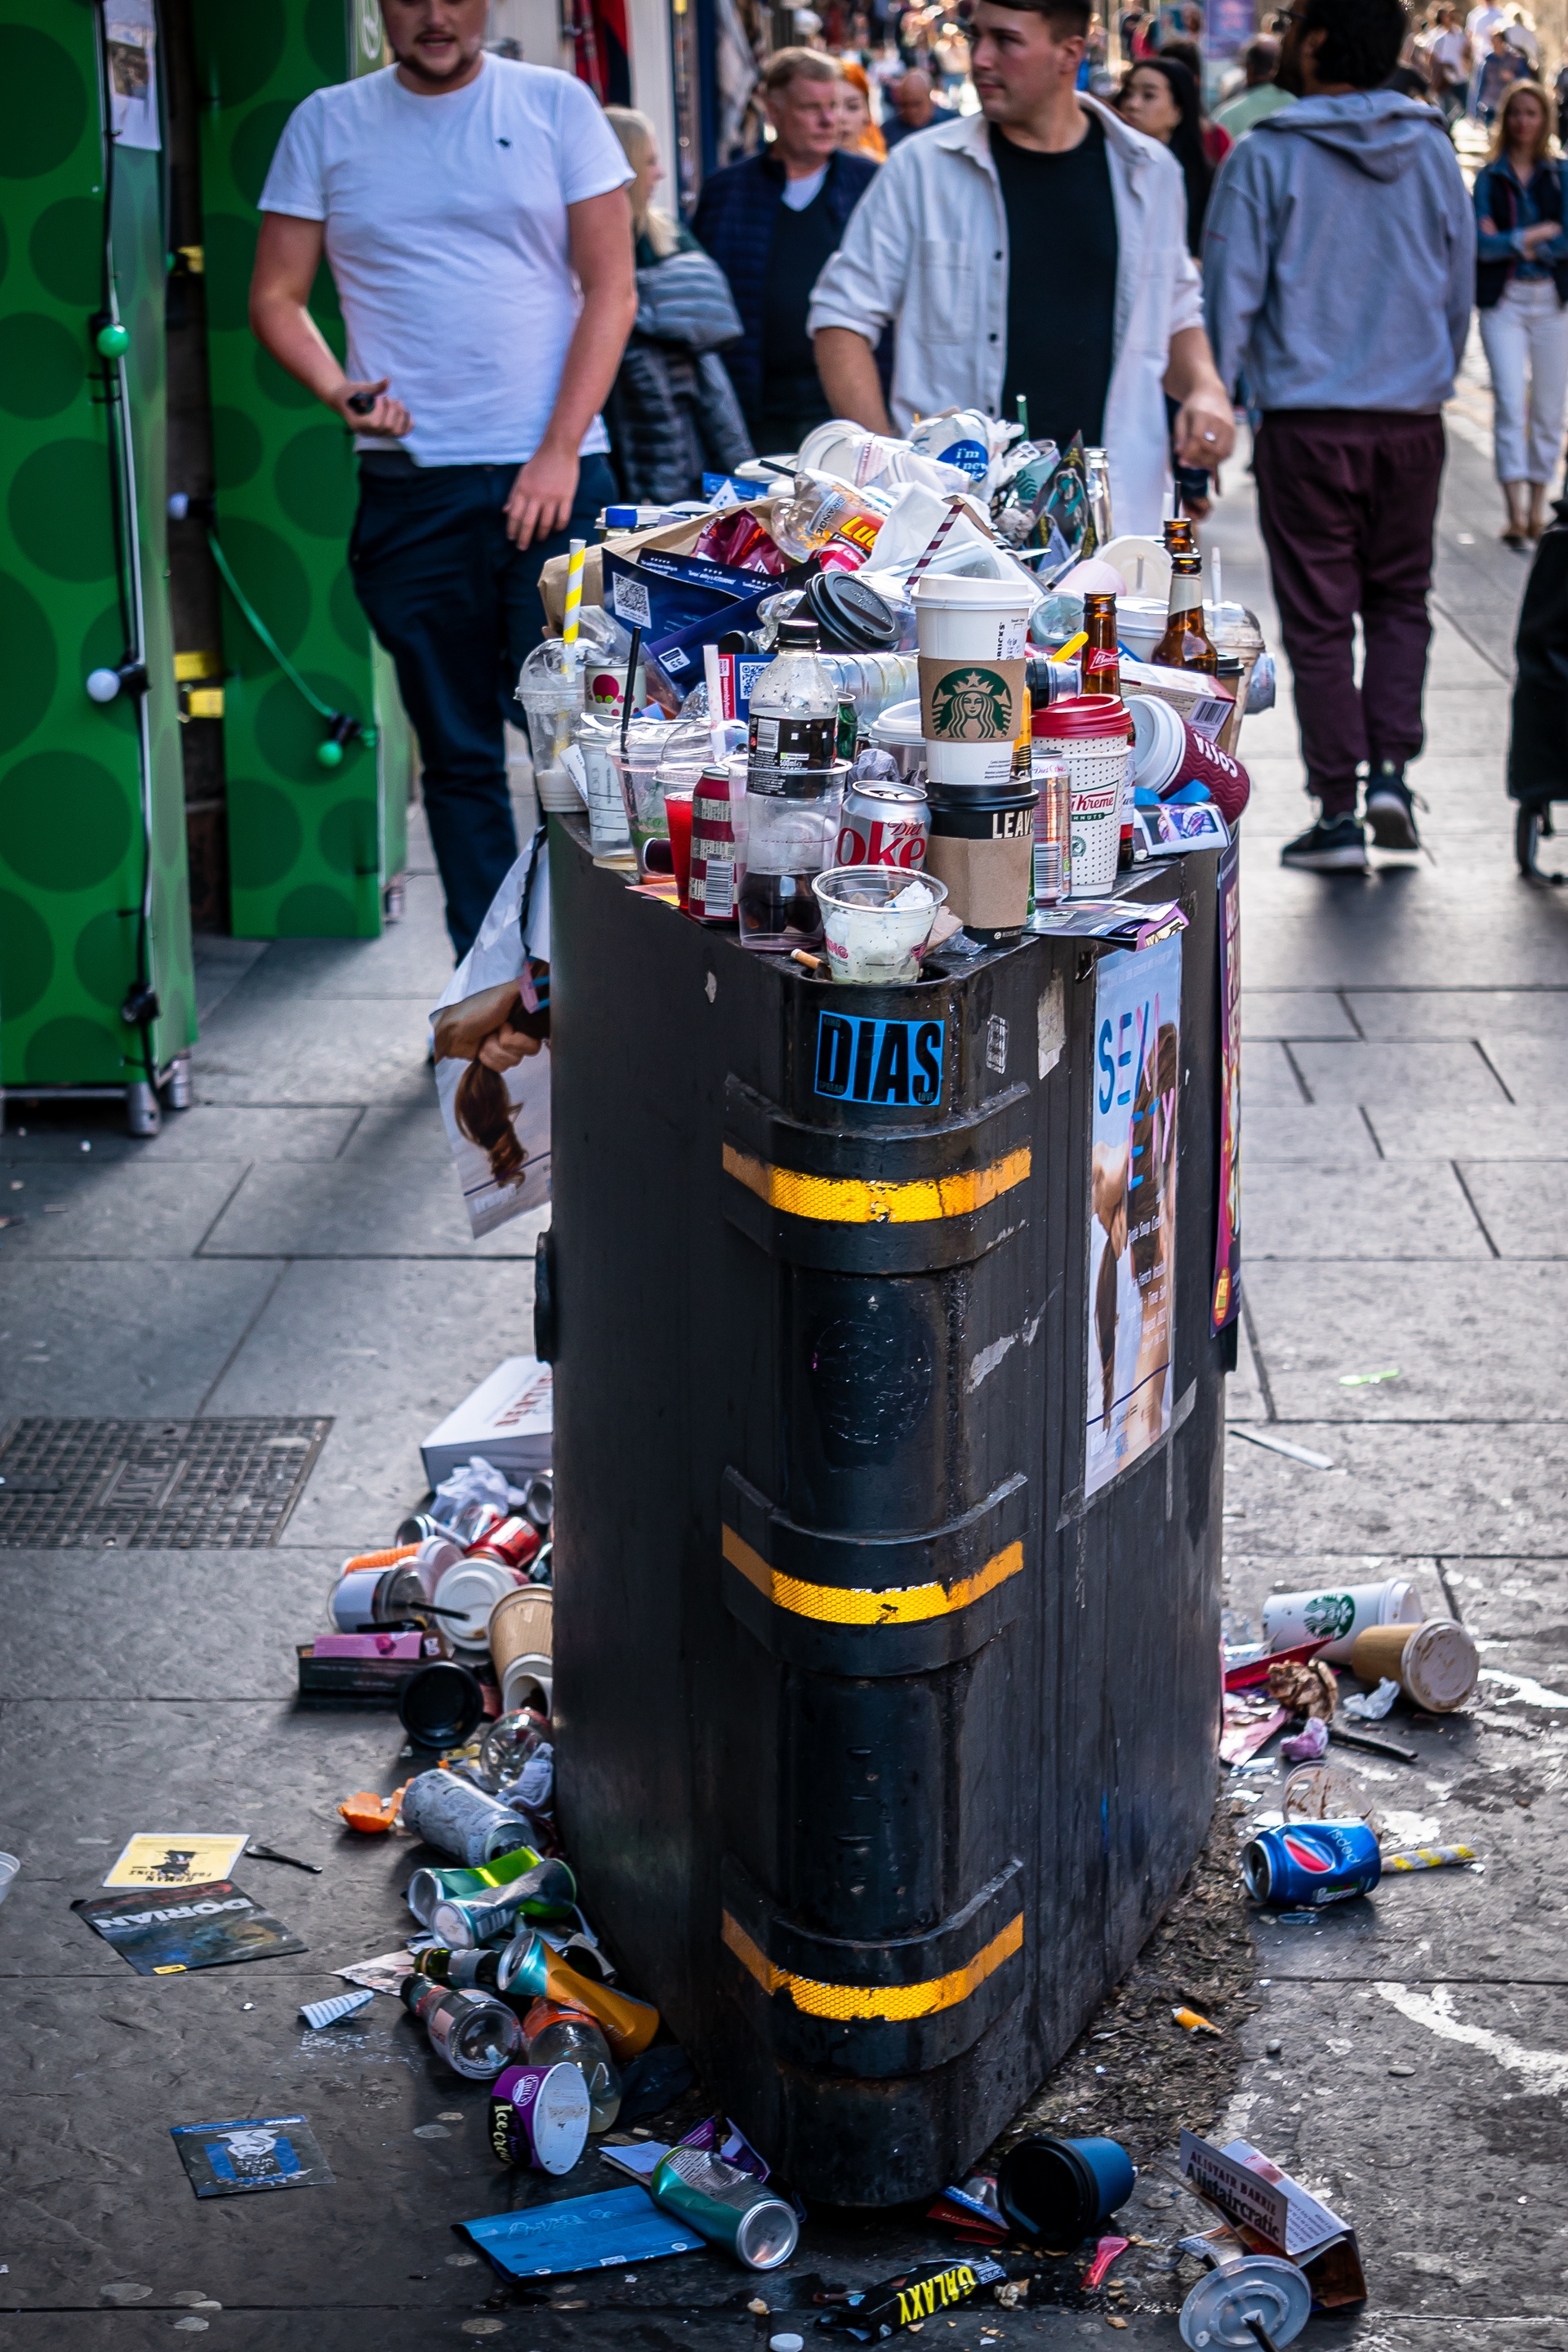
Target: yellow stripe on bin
{"x": 866, "y": 1201}
{"x": 875, "y": 2004}
{"x": 840, "y": 1604}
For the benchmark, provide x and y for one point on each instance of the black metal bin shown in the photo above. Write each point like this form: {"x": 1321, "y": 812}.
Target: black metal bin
{"x": 882, "y": 1748}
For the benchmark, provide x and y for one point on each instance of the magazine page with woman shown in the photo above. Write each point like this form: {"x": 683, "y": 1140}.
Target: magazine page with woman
{"x": 490, "y": 1035}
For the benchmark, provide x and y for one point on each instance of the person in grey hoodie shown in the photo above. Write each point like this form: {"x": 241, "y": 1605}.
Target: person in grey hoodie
{"x": 1338, "y": 270}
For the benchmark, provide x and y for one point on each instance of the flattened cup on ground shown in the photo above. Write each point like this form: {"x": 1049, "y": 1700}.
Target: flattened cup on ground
{"x": 1056, "y": 2191}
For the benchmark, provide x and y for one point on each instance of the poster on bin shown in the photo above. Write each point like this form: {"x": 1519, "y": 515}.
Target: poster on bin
{"x": 1133, "y": 1207}
{"x": 490, "y": 1036}
{"x": 1225, "y": 1302}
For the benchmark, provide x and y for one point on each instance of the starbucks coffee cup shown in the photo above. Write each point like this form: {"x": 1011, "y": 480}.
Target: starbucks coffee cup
{"x": 972, "y": 636}
{"x": 1340, "y": 1612}
{"x": 1435, "y": 1665}
{"x": 981, "y": 846}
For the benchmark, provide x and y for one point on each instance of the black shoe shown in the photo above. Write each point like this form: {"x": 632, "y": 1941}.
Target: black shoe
{"x": 1335, "y": 845}
{"x": 1390, "y": 808}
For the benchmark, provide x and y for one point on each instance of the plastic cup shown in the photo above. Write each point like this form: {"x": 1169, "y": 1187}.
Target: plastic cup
{"x": 870, "y": 938}
{"x": 1435, "y": 1665}
{"x": 9, "y": 1866}
{"x": 678, "y": 802}
{"x": 1056, "y": 2191}
{"x": 1053, "y": 830}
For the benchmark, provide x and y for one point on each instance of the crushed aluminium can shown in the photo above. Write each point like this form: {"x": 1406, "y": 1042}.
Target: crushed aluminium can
{"x": 1309, "y": 1864}
{"x": 726, "y": 2207}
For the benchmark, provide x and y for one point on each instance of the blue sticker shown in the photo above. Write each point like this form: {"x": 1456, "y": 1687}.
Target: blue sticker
{"x": 972, "y": 456}
{"x": 870, "y": 1061}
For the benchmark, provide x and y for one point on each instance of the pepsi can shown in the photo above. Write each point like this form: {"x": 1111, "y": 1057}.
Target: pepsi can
{"x": 1311, "y": 1863}
{"x": 884, "y": 823}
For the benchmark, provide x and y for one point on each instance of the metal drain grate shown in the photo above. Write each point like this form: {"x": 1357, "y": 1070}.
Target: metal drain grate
{"x": 220, "y": 1483}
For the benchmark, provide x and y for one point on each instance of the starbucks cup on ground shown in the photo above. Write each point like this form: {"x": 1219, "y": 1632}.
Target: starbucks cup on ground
{"x": 982, "y": 848}
{"x": 1340, "y": 1611}
{"x": 972, "y": 636}
{"x": 876, "y": 920}
{"x": 1167, "y": 752}
{"x": 1091, "y": 735}
{"x": 1435, "y": 1665}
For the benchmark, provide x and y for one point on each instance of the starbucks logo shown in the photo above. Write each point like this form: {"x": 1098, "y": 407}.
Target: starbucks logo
{"x": 1331, "y": 1613}
{"x": 971, "y": 705}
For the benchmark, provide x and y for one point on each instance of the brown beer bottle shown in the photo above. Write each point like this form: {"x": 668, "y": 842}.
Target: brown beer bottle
{"x": 1100, "y": 661}
{"x": 1186, "y": 643}
{"x": 1178, "y": 535}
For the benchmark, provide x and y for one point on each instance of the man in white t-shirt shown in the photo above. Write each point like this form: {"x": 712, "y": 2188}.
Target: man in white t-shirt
{"x": 1449, "y": 62}
{"x": 1479, "y": 25}
{"x": 474, "y": 215}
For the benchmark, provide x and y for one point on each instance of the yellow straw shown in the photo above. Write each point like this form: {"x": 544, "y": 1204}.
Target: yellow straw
{"x": 573, "y": 589}
{"x": 1062, "y": 653}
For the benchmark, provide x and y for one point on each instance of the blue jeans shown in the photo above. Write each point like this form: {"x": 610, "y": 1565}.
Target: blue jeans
{"x": 458, "y": 606}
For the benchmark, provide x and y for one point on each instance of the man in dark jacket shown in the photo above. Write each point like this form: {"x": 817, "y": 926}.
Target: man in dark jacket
{"x": 771, "y": 224}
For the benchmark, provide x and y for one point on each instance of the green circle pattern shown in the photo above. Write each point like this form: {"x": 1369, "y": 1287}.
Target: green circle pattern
{"x": 48, "y": 109}
{"x": 42, "y": 367}
{"x": 65, "y": 249}
{"x": 314, "y": 479}
{"x": 27, "y": 957}
{"x": 32, "y": 669}
{"x": 65, "y": 821}
{"x": 59, "y": 510}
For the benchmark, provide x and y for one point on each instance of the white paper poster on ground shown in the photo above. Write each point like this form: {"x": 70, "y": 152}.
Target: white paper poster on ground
{"x": 490, "y": 1034}
{"x": 1133, "y": 1207}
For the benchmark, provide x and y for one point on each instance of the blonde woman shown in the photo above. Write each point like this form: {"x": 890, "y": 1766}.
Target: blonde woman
{"x": 1522, "y": 287}
{"x": 672, "y": 412}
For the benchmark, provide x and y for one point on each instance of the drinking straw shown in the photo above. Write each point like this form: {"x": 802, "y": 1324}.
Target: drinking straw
{"x": 575, "y": 553}
{"x": 631, "y": 673}
{"x": 716, "y": 743}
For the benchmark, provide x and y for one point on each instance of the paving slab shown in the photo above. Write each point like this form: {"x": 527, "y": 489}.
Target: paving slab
{"x": 1294, "y": 1013}
{"x": 1418, "y": 1488}
{"x": 1391, "y": 1076}
{"x": 1534, "y": 1069}
{"x": 83, "y": 1208}
{"x": 355, "y": 1049}
{"x": 1320, "y": 1134}
{"x": 203, "y": 1132}
{"x": 1411, "y": 1211}
{"x": 1516, "y": 1201}
{"x": 1268, "y": 1078}
{"x": 1455, "y": 1012}
{"x": 138, "y": 1337}
{"x": 390, "y": 1193}
{"x": 1468, "y": 1131}
{"x": 1497, "y": 1347}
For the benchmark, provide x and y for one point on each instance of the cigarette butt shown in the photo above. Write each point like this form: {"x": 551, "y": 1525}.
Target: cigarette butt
{"x": 1193, "y": 2023}
{"x": 811, "y": 962}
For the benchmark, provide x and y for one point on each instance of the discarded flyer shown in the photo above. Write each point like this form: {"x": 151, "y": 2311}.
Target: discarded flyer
{"x": 1125, "y": 922}
{"x": 507, "y": 1420}
{"x": 176, "y": 1858}
{"x": 202, "y": 1927}
{"x": 490, "y": 1037}
{"x": 384, "y": 1973}
{"x": 234, "y": 2160}
{"x": 1274, "y": 2214}
{"x": 317, "y": 2014}
{"x": 619, "y": 2226}
{"x": 1251, "y": 1720}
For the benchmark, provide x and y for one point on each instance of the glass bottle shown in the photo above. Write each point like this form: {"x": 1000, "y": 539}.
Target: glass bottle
{"x": 1186, "y": 643}
{"x": 559, "y": 2035}
{"x": 1100, "y": 658}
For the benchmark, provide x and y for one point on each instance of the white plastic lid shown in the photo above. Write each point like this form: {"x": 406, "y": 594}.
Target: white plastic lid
{"x": 950, "y": 592}
{"x": 899, "y": 723}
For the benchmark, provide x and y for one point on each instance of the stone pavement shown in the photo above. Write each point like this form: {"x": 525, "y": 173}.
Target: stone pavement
{"x": 293, "y": 1245}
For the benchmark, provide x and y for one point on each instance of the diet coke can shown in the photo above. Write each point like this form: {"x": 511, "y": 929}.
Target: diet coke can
{"x": 883, "y": 824}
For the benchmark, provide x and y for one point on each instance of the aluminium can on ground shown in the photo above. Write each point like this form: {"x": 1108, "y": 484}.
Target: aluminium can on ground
{"x": 1309, "y": 1864}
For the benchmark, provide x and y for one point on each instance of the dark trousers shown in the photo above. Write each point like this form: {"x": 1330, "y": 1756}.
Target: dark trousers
{"x": 1347, "y": 499}
{"x": 458, "y": 606}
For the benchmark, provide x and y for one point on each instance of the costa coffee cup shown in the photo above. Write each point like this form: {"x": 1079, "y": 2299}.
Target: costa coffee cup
{"x": 1435, "y": 1665}
{"x": 1091, "y": 734}
{"x": 538, "y": 2117}
{"x": 1168, "y": 752}
{"x": 972, "y": 635}
{"x": 982, "y": 848}
{"x": 1341, "y": 1612}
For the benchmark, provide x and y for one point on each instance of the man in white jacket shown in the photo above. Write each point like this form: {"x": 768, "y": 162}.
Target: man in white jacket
{"x": 1038, "y": 248}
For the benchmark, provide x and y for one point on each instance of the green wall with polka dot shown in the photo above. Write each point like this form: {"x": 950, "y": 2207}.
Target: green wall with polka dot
{"x": 74, "y": 847}
{"x": 310, "y": 847}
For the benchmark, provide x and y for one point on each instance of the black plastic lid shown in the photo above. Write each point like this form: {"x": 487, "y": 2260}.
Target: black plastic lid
{"x": 853, "y": 618}
{"x": 440, "y": 1704}
{"x": 798, "y": 633}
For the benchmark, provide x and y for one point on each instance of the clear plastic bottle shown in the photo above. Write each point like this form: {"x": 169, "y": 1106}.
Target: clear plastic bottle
{"x": 823, "y": 509}
{"x": 795, "y": 713}
{"x": 556, "y": 2036}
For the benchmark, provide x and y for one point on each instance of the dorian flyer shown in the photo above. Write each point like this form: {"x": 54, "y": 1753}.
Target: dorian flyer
{"x": 1133, "y": 1207}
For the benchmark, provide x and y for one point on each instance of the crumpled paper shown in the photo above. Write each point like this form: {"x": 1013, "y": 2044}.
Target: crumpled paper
{"x": 1371, "y": 1707}
{"x": 1305, "y": 1689}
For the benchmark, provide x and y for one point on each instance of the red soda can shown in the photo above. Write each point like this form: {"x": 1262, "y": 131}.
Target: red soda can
{"x": 513, "y": 1542}
{"x": 711, "y": 894}
{"x": 883, "y": 824}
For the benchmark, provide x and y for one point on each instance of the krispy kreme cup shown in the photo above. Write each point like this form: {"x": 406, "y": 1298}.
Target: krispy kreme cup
{"x": 1091, "y": 735}
{"x": 973, "y": 645}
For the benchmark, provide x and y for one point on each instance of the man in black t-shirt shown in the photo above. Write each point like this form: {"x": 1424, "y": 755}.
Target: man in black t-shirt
{"x": 1037, "y": 249}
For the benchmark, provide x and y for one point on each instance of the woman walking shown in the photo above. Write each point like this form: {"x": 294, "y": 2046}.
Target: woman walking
{"x": 1160, "y": 98}
{"x": 1522, "y": 287}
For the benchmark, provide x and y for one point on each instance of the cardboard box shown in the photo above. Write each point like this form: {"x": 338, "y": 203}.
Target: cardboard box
{"x": 509, "y": 1420}
{"x": 680, "y": 537}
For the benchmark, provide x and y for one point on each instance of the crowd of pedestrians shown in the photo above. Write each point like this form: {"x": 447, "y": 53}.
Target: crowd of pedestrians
{"x": 986, "y": 219}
